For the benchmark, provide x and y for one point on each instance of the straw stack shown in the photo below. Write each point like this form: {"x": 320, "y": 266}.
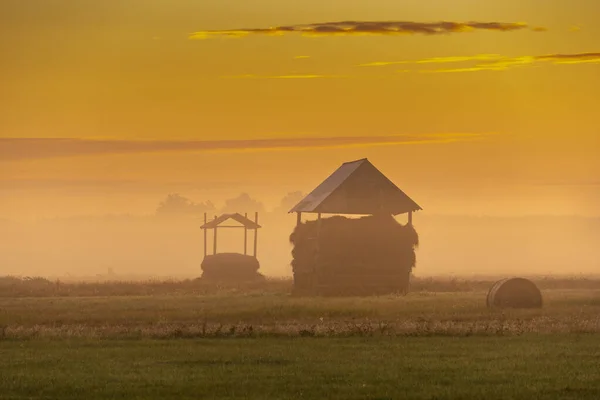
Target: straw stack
{"x": 343, "y": 256}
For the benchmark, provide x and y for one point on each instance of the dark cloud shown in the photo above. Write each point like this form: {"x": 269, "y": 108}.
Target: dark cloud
{"x": 13, "y": 149}
{"x": 346, "y": 28}
{"x": 571, "y": 58}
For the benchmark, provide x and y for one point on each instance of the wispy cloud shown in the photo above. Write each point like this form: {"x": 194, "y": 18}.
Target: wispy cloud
{"x": 289, "y": 76}
{"x": 479, "y": 62}
{"x": 501, "y": 65}
{"x": 61, "y": 184}
{"x": 362, "y": 28}
{"x": 304, "y": 76}
{"x": 495, "y": 62}
{"x": 571, "y": 58}
{"x": 14, "y": 149}
{"x": 436, "y": 60}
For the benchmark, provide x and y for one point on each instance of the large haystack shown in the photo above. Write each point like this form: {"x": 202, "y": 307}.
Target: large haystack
{"x": 230, "y": 267}
{"x": 365, "y": 256}
{"x": 514, "y": 293}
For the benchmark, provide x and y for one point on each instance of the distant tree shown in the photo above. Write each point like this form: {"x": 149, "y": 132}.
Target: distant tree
{"x": 289, "y": 201}
{"x": 177, "y": 205}
{"x": 243, "y": 204}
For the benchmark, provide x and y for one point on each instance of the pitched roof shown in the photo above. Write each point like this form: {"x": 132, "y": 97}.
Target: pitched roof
{"x": 247, "y": 223}
{"x": 357, "y": 187}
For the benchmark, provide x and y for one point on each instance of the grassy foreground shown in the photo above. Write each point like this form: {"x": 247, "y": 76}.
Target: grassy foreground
{"x": 262, "y": 343}
{"x": 276, "y": 314}
{"x": 523, "y": 367}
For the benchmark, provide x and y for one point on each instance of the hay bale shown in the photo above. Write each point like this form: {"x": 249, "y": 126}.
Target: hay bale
{"x": 230, "y": 267}
{"x": 353, "y": 256}
{"x": 514, "y": 293}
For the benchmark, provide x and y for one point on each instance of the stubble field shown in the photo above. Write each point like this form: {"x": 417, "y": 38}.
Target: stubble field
{"x": 189, "y": 340}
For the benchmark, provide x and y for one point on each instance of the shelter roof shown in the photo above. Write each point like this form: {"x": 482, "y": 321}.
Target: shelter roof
{"x": 357, "y": 187}
{"x": 244, "y": 221}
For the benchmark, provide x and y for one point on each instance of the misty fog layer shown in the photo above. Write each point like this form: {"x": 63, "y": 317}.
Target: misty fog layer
{"x": 122, "y": 247}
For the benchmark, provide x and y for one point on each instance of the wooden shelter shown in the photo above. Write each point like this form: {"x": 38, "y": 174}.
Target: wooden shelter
{"x": 244, "y": 223}
{"x": 230, "y": 266}
{"x": 369, "y": 255}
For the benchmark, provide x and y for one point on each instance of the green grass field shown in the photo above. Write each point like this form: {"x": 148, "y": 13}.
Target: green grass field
{"x": 258, "y": 343}
{"x": 523, "y": 367}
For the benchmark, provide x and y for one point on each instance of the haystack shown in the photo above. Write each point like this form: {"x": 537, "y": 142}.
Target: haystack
{"x": 514, "y": 293}
{"x": 361, "y": 256}
{"x": 230, "y": 267}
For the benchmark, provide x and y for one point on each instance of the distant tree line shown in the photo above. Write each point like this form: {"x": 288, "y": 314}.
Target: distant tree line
{"x": 176, "y": 205}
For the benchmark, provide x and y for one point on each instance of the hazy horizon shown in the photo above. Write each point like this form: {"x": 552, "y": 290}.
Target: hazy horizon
{"x": 169, "y": 243}
{"x": 475, "y": 110}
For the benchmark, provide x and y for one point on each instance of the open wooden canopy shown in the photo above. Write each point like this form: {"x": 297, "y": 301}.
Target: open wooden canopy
{"x": 357, "y": 187}
{"x": 244, "y": 221}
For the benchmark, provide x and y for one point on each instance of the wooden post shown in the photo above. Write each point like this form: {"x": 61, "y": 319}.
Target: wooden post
{"x": 215, "y": 240}
{"x": 318, "y": 225}
{"x": 316, "y": 288}
{"x": 318, "y": 238}
{"x": 298, "y": 218}
{"x": 255, "y": 233}
{"x": 410, "y": 218}
{"x": 245, "y": 237}
{"x": 204, "y": 235}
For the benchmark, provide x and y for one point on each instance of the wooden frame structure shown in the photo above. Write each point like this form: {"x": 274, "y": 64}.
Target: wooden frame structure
{"x": 355, "y": 188}
{"x": 245, "y": 223}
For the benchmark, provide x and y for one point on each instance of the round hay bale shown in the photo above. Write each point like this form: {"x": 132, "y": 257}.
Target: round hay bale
{"x": 232, "y": 267}
{"x": 514, "y": 293}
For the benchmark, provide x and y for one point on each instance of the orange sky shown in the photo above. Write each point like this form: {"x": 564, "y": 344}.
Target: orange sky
{"x": 484, "y": 118}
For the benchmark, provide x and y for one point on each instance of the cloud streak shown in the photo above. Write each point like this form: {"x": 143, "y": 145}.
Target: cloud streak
{"x": 18, "y": 149}
{"x": 369, "y": 28}
{"x": 483, "y": 62}
{"x": 435, "y": 60}
{"x": 494, "y": 62}
{"x": 571, "y": 58}
{"x": 7, "y": 185}
{"x": 288, "y": 76}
